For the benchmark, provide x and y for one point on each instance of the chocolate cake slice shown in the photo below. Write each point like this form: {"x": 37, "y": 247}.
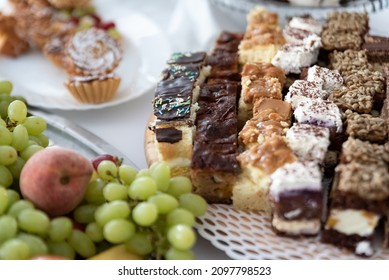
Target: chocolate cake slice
{"x": 297, "y": 199}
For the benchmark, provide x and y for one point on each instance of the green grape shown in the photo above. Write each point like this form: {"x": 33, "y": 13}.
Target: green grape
{"x": 20, "y": 137}
{"x": 34, "y": 221}
{"x": 60, "y": 229}
{"x": 94, "y": 192}
{"x": 35, "y": 125}
{"x": 127, "y": 174}
{"x": 112, "y": 210}
{"x": 5, "y": 87}
{"x": 8, "y": 226}
{"x": 29, "y": 151}
{"x": 140, "y": 244}
{"x": 165, "y": 202}
{"x": 19, "y": 206}
{"x": 61, "y": 249}
{"x": 4, "y": 200}
{"x": 179, "y": 185}
{"x": 181, "y": 237}
{"x": 16, "y": 167}
{"x": 85, "y": 214}
{"x": 4, "y": 108}
{"x": 5, "y": 136}
{"x": 142, "y": 188}
{"x": 94, "y": 232}
{"x": 145, "y": 213}
{"x": 115, "y": 191}
{"x": 6, "y": 178}
{"x": 17, "y": 111}
{"x": 143, "y": 173}
{"x": 180, "y": 216}
{"x": 35, "y": 243}
{"x": 43, "y": 140}
{"x": 194, "y": 203}
{"x": 175, "y": 254}
{"x": 8, "y": 155}
{"x": 82, "y": 244}
{"x": 160, "y": 172}
{"x": 118, "y": 230}
{"x": 33, "y": 140}
{"x": 13, "y": 196}
{"x": 14, "y": 249}
{"x": 2, "y": 123}
{"x": 107, "y": 170}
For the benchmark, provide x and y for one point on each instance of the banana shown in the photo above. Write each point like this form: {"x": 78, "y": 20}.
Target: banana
{"x": 117, "y": 252}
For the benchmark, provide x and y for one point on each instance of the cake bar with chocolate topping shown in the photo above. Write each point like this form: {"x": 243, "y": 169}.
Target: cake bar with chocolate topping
{"x": 214, "y": 166}
{"x": 190, "y": 65}
{"x": 297, "y": 199}
{"x": 174, "y": 108}
{"x": 258, "y": 162}
{"x": 223, "y": 59}
{"x": 377, "y": 48}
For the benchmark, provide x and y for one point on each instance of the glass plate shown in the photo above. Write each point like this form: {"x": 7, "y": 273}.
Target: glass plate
{"x": 64, "y": 133}
{"x": 285, "y": 9}
{"x": 43, "y": 85}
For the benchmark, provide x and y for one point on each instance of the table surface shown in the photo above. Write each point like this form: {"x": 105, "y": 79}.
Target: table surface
{"x": 123, "y": 126}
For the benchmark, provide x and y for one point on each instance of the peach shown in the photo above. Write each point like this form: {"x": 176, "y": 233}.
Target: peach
{"x": 55, "y": 179}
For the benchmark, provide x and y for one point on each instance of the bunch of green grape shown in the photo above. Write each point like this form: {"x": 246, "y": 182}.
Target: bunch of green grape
{"x": 150, "y": 211}
{"x": 20, "y": 135}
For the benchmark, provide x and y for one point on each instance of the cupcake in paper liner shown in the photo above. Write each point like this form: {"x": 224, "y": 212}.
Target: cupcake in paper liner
{"x": 92, "y": 52}
{"x": 94, "y": 89}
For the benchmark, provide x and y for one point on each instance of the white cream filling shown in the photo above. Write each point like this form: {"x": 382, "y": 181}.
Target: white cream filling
{"x": 351, "y": 221}
{"x": 296, "y": 227}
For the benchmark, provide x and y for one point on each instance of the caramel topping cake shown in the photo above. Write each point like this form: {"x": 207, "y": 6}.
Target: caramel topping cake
{"x": 271, "y": 117}
{"x": 258, "y": 162}
{"x": 11, "y": 44}
{"x": 263, "y": 37}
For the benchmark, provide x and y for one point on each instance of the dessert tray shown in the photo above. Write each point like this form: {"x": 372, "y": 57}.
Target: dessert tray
{"x": 244, "y": 235}
{"x": 286, "y": 9}
{"x": 44, "y": 86}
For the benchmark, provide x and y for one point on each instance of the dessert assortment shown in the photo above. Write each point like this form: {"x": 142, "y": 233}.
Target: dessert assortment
{"x": 290, "y": 122}
{"x": 73, "y": 37}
